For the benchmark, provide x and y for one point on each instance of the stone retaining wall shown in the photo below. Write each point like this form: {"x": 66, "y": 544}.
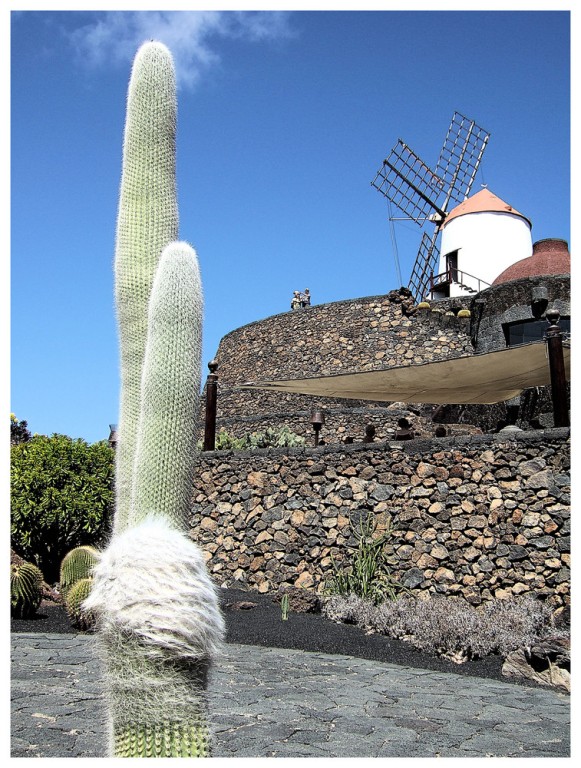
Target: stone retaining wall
{"x": 481, "y": 517}
{"x": 354, "y": 335}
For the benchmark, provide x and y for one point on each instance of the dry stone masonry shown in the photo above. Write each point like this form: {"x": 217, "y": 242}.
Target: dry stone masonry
{"x": 481, "y": 517}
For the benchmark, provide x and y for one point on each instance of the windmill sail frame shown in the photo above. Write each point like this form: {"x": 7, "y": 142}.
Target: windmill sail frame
{"x": 423, "y": 194}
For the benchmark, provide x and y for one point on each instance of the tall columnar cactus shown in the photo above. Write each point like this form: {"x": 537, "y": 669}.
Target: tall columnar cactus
{"x": 25, "y": 590}
{"x": 77, "y": 564}
{"x": 159, "y": 624}
{"x": 147, "y": 221}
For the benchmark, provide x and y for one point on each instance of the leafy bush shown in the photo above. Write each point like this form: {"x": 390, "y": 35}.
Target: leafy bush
{"x": 369, "y": 574}
{"x": 19, "y": 432}
{"x": 449, "y": 627}
{"x": 61, "y": 497}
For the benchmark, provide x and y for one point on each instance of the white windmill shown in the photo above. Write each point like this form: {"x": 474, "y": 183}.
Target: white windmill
{"x": 423, "y": 194}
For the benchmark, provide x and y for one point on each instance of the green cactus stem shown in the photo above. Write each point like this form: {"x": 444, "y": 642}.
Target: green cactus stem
{"x": 165, "y": 740}
{"x": 77, "y": 564}
{"x": 80, "y": 617}
{"x": 163, "y": 470}
{"x": 147, "y": 221}
{"x": 25, "y": 590}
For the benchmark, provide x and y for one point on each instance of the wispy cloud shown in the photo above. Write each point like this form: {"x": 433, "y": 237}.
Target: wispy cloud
{"x": 114, "y": 36}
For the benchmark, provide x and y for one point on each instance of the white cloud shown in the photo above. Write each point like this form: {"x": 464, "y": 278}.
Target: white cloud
{"x": 114, "y": 36}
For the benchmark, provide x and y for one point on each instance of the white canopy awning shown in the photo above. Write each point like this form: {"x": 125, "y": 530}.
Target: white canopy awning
{"x": 484, "y": 378}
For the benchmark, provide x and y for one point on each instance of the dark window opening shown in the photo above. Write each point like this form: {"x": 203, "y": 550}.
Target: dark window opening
{"x": 531, "y": 330}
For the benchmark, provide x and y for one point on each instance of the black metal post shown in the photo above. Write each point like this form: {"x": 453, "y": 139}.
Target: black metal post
{"x": 211, "y": 400}
{"x": 554, "y": 341}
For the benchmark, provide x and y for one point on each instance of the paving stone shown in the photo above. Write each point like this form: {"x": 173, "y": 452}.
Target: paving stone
{"x": 268, "y": 702}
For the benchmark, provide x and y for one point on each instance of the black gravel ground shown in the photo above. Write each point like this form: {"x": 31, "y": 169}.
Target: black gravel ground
{"x": 262, "y": 625}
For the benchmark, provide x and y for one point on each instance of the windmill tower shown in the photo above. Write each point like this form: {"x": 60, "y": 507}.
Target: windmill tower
{"x": 424, "y": 195}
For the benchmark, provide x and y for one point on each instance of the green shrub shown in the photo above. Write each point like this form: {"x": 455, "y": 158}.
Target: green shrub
{"x": 25, "y": 590}
{"x": 369, "y": 574}
{"x": 19, "y": 432}
{"x": 61, "y": 497}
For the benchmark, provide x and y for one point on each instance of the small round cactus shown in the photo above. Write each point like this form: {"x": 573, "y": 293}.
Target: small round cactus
{"x": 76, "y": 565}
{"x": 76, "y": 596}
{"x": 25, "y": 590}
{"x": 464, "y": 313}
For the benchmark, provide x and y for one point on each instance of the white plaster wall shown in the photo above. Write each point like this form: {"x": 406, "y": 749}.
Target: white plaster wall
{"x": 488, "y": 243}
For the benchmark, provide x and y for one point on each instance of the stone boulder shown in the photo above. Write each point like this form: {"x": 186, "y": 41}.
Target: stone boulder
{"x": 547, "y": 662}
{"x": 299, "y": 600}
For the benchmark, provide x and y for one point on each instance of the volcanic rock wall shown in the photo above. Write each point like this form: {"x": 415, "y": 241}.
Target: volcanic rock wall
{"x": 479, "y": 517}
{"x": 355, "y": 335}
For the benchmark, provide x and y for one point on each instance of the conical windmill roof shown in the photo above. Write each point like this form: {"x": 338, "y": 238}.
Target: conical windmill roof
{"x": 483, "y": 202}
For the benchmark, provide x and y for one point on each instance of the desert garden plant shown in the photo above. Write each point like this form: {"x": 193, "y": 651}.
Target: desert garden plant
{"x": 25, "y": 589}
{"x": 76, "y": 565}
{"x": 158, "y": 620}
{"x": 271, "y": 437}
{"x": 284, "y": 606}
{"x": 448, "y": 626}
{"x": 79, "y": 616}
{"x": 366, "y": 571}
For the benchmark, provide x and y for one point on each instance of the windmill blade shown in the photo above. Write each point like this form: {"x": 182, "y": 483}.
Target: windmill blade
{"x": 460, "y": 157}
{"x": 428, "y": 255}
{"x": 409, "y": 184}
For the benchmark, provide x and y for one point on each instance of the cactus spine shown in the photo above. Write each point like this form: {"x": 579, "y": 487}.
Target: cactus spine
{"x": 77, "y": 564}
{"x": 159, "y": 624}
{"x": 25, "y": 590}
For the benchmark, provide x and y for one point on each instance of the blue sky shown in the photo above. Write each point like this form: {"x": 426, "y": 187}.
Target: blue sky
{"x": 283, "y": 120}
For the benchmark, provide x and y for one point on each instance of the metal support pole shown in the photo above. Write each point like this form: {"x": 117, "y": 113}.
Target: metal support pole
{"x": 211, "y": 399}
{"x": 554, "y": 341}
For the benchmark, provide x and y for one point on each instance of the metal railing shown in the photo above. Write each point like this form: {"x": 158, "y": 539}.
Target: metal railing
{"x": 455, "y": 275}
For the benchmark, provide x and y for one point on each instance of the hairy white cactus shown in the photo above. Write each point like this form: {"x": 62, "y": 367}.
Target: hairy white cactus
{"x": 159, "y": 624}
{"x": 147, "y": 221}
{"x": 169, "y": 390}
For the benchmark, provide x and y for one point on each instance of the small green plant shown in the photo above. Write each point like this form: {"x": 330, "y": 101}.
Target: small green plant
{"x": 271, "y": 437}
{"x": 25, "y": 590}
{"x": 226, "y": 442}
{"x": 369, "y": 575}
{"x": 284, "y": 607}
{"x": 76, "y": 565}
{"x": 76, "y": 596}
{"x": 275, "y": 437}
